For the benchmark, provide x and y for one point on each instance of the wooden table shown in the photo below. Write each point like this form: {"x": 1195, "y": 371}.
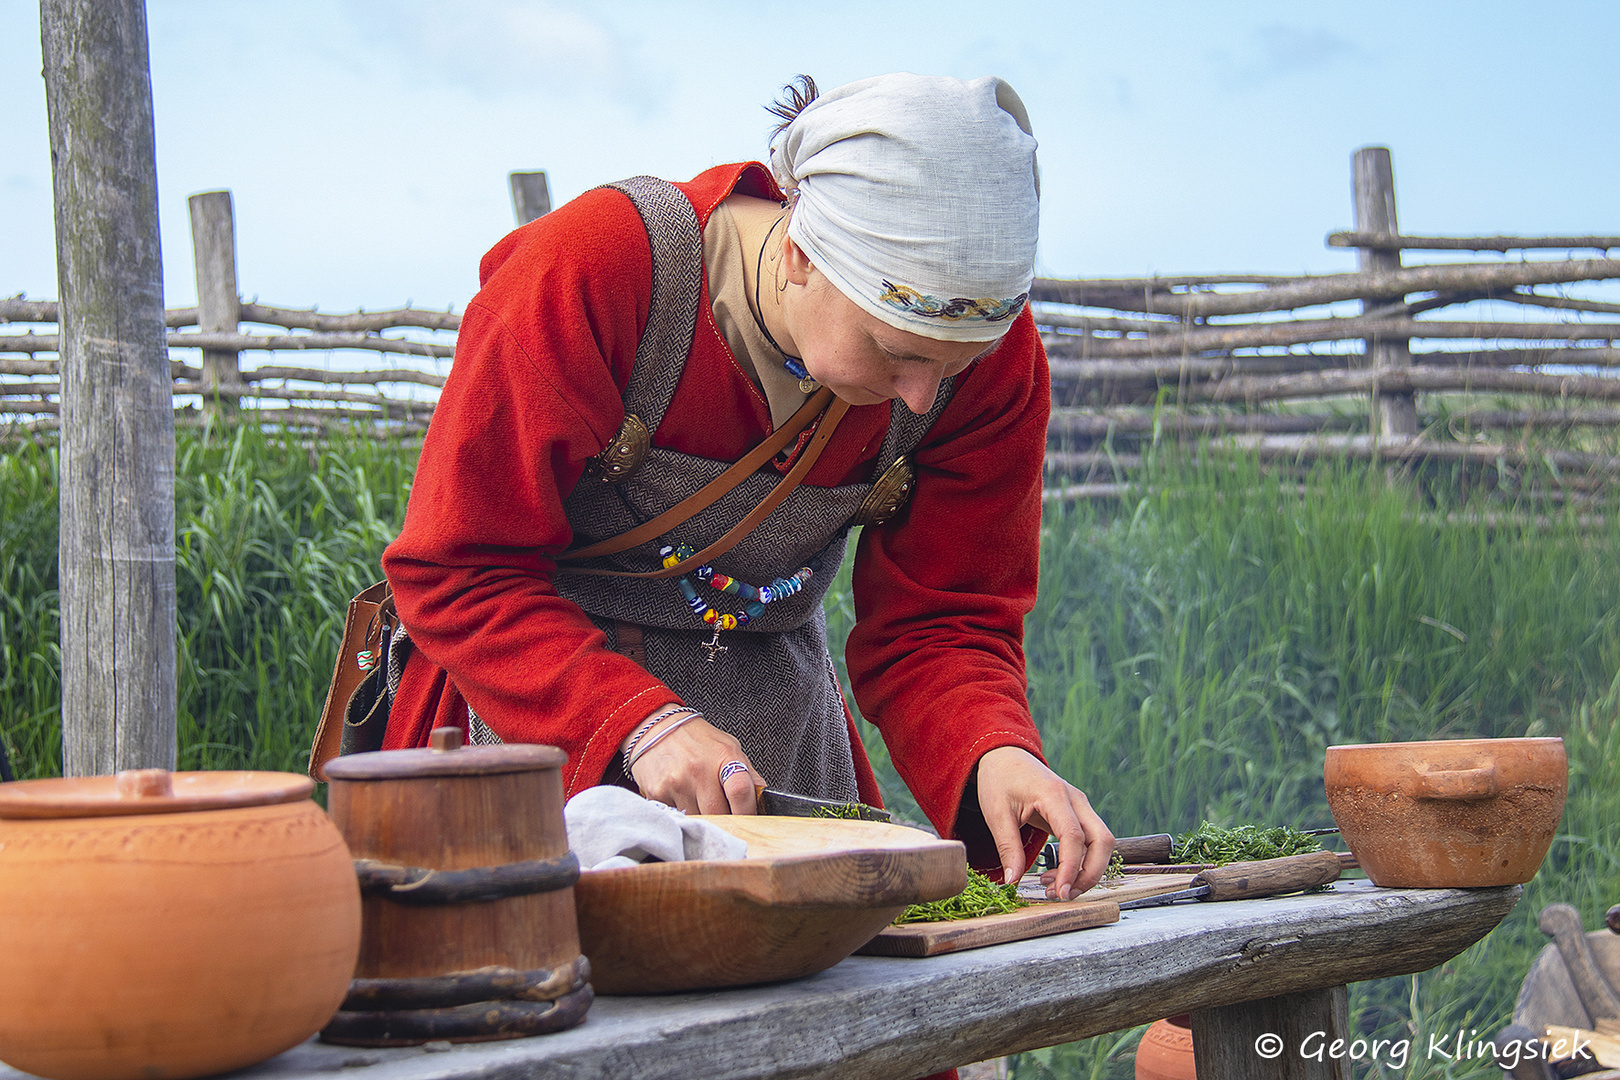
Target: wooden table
{"x": 1241, "y": 968}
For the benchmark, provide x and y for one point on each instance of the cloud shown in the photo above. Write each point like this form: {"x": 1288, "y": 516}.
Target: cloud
{"x": 503, "y": 48}
{"x": 1278, "y": 52}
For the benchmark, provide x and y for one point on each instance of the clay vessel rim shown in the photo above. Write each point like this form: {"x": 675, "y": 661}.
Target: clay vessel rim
{"x": 1522, "y": 740}
{"x": 98, "y": 796}
{"x": 463, "y": 761}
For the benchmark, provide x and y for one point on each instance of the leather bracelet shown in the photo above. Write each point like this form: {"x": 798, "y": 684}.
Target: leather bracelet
{"x": 646, "y": 726}
{"x": 660, "y": 737}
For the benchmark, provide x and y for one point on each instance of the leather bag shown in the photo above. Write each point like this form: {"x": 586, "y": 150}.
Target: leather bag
{"x": 355, "y": 715}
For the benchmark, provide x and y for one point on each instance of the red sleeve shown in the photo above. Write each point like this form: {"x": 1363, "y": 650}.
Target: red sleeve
{"x": 936, "y": 657}
{"x": 535, "y": 391}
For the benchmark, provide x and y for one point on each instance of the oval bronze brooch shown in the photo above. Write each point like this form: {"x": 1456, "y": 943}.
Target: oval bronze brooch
{"x": 889, "y": 495}
{"x": 620, "y": 457}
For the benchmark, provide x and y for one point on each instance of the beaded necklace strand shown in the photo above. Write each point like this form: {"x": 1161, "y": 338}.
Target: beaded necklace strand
{"x": 754, "y": 597}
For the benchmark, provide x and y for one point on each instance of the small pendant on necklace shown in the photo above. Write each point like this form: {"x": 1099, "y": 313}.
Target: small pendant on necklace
{"x": 714, "y": 647}
{"x": 807, "y": 385}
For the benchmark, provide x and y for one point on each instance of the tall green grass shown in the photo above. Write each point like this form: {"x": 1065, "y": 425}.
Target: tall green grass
{"x": 1194, "y": 651}
{"x": 1192, "y": 654}
{"x": 272, "y": 538}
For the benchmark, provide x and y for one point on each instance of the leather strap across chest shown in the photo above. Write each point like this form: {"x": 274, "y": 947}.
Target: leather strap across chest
{"x": 706, "y": 496}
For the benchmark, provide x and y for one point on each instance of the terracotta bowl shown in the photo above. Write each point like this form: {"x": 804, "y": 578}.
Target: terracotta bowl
{"x": 809, "y": 893}
{"x": 1455, "y": 813}
{"x": 159, "y": 926}
{"x": 1166, "y": 1051}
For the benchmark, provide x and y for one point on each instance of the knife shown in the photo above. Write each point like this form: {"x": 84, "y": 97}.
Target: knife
{"x": 784, "y": 804}
{"x": 1251, "y": 880}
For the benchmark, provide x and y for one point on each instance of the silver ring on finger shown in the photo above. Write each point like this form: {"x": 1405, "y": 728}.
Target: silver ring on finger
{"x": 730, "y": 769}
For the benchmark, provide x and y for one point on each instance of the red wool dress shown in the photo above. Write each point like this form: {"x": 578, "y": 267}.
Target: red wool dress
{"x": 545, "y": 353}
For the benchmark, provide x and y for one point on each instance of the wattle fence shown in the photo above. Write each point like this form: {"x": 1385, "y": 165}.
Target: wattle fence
{"x": 1520, "y": 374}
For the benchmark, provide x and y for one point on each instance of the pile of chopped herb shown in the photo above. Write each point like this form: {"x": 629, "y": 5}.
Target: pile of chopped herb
{"x": 847, "y": 810}
{"x": 981, "y": 897}
{"x": 1210, "y": 843}
{"x": 1115, "y": 874}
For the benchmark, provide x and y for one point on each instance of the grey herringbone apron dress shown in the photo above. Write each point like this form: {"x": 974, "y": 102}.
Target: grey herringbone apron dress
{"x": 774, "y": 687}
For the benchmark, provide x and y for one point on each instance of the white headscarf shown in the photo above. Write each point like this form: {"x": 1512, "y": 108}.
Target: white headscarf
{"x": 917, "y": 197}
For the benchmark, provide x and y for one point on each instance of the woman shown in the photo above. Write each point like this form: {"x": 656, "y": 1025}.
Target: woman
{"x": 888, "y": 259}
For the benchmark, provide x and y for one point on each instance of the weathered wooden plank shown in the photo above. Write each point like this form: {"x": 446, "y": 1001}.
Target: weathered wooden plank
{"x": 1174, "y": 343}
{"x": 1277, "y": 1038}
{"x": 531, "y": 197}
{"x": 1396, "y": 448}
{"x": 300, "y": 319}
{"x": 1392, "y": 241}
{"x": 1420, "y": 377}
{"x": 117, "y": 474}
{"x": 1096, "y": 423}
{"x": 880, "y": 1018}
{"x": 1374, "y": 190}
{"x": 1562, "y": 923}
{"x": 16, "y": 309}
{"x": 307, "y": 342}
{"x": 1313, "y": 290}
{"x": 213, "y": 245}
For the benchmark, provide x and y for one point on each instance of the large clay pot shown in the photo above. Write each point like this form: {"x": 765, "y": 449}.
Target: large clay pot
{"x": 1166, "y": 1051}
{"x": 1455, "y": 813}
{"x": 164, "y": 925}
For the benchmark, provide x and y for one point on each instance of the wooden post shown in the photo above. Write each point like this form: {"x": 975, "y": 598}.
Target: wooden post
{"x": 213, "y": 246}
{"x": 1374, "y": 195}
{"x": 531, "y": 198}
{"x": 117, "y": 435}
{"x": 1282, "y": 1038}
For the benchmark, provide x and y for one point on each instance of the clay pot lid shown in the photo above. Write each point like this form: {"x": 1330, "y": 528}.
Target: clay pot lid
{"x": 445, "y": 756}
{"x": 149, "y": 791}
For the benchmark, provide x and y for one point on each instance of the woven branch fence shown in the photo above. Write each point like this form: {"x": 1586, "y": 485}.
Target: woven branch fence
{"x": 1288, "y": 368}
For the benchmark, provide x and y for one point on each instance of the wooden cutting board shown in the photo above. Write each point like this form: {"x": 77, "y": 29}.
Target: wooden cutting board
{"x": 1098, "y": 907}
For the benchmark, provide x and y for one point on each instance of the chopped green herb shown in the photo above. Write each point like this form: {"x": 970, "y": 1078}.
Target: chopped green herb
{"x": 981, "y": 897}
{"x": 848, "y": 810}
{"x": 1116, "y": 870}
{"x": 1210, "y": 843}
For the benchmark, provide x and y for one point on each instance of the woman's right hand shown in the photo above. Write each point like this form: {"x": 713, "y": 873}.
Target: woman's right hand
{"x": 683, "y": 770}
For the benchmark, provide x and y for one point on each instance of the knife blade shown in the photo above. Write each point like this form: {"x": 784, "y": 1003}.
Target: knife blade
{"x": 785, "y": 804}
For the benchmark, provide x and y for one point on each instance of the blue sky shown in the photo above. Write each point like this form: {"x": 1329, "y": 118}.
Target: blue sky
{"x": 367, "y": 142}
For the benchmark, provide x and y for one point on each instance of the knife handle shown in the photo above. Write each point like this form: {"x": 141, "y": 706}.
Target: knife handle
{"x": 1269, "y": 877}
{"x": 1143, "y": 849}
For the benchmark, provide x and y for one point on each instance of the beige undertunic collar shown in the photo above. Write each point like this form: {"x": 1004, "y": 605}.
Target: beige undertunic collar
{"x": 723, "y": 257}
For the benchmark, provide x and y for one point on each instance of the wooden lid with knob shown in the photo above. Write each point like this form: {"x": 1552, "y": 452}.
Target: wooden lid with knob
{"x": 149, "y": 791}
{"x": 446, "y": 756}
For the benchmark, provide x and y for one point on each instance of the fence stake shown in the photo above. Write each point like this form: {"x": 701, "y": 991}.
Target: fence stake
{"x": 531, "y": 198}
{"x": 213, "y": 246}
{"x": 117, "y": 433}
{"x": 1374, "y": 196}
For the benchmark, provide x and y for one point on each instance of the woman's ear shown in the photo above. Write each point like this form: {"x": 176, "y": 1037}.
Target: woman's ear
{"x": 795, "y": 263}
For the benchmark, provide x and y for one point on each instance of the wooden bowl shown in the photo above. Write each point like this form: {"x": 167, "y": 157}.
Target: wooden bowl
{"x": 1458, "y": 813}
{"x": 810, "y": 892}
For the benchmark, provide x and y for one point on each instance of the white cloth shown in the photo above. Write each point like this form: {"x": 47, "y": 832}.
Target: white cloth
{"x": 917, "y": 197}
{"x": 610, "y": 827}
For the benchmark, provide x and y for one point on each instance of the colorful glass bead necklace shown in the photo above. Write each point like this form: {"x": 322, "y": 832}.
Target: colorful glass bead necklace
{"x": 754, "y": 597}
{"x": 795, "y": 366}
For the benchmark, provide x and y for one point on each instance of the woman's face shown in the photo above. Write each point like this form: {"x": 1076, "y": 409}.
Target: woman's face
{"x": 858, "y": 356}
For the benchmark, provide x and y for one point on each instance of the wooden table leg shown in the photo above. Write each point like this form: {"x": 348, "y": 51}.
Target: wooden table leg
{"x": 1282, "y": 1038}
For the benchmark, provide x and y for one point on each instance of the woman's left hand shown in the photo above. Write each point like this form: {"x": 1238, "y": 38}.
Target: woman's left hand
{"x": 1015, "y": 789}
